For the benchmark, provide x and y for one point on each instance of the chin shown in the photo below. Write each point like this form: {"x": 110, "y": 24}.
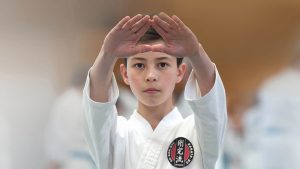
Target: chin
{"x": 151, "y": 104}
{"x": 152, "y": 101}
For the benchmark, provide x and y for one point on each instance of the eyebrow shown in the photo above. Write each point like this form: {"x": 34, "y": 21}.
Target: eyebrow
{"x": 143, "y": 59}
{"x": 137, "y": 58}
{"x": 162, "y": 58}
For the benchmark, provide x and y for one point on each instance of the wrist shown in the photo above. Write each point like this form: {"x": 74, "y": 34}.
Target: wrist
{"x": 104, "y": 63}
{"x": 198, "y": 55}
{"x": 107, "y": 56}
{"x": 201, "y": 61}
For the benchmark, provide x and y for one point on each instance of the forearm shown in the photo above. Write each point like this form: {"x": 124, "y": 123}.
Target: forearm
{"x": 100, "y": 122}
{"x": 204, "y": 70}
{"x": 100, "y": 76}
{"x": 210, "y": 117}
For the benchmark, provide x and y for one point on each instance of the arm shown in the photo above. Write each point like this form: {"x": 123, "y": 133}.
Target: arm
{"x": 101, "y": 91}
{"x": 210, "y": 114}
{"x": 208, "y": 104}
{"x": 182, "y": 42}
{"x": 121, "y": 41}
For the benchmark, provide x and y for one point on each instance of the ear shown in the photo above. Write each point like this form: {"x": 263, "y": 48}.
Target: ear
{"x": 180, "y": 72}
{"x": 123, "y": 71}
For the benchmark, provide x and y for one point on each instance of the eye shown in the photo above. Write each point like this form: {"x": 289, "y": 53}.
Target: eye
{"x": 139, "y": 65}
{"x": 163, "y": 65}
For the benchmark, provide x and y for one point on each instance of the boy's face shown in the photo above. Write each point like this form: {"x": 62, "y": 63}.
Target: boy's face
{"x": 152, "y": 77}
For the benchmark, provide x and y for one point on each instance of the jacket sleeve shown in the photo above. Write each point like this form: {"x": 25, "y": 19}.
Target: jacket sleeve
{"x": 210, "y": 114}
{"x": 100, "y": 125}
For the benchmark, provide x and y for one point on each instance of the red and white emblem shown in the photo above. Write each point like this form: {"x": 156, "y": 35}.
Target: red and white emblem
{"x": 180, "y": 152}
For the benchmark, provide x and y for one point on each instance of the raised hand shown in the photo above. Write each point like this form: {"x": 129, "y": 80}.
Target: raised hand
{"x": 122, "y": 40}
{"x": 180, "y": 41}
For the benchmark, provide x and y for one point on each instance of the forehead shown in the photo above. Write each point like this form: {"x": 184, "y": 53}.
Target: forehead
{"x": 151, "y": 56}
{"x": 148, "y": 56}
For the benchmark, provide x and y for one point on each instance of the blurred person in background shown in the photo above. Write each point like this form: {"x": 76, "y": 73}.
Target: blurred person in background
{"x": 126, "y": 102}
{"x": 183, "y": 105}
{"x": 65, "y": 142}
{"x": 276, "y": 121}
{"x": 252, "y": 130}
{"x": 5, "y": 150}
{"x": 233, "y": 151}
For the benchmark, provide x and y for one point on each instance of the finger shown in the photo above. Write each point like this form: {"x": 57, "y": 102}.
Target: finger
{"x": 138, "y": 25}
{"x": 158, "y": 48}
{"x": 169, "y": 20}
{"x": 132, "y": 21}
{"x": 142, "y": 48}
{"x": 160, "y": 31}
{"x": 122, "y": 22}
{"x": 161, "y": 48}
{"x": 142, "y": 30}
{"x": 178, "y": 21}
{"x": 164, "y": 25}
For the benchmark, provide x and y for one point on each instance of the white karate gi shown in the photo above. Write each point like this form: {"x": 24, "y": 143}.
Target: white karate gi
{"x": 5, "y": 146}
{"x": 117, "y": 143}
{"x": 276, "y": 123}
{"x": 65, "y": 141}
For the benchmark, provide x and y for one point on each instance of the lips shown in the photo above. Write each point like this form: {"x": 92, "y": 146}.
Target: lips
{"x": 151, "y": 90}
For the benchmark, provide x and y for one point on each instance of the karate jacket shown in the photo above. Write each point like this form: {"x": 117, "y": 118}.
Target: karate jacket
{"x": 191, "y": 143}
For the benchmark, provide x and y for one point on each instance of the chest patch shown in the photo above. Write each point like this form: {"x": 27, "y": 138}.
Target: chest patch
{"x": 180, "y": 152}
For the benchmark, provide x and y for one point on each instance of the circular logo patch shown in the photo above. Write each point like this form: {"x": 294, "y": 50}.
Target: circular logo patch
{"x": 180, "y": 152}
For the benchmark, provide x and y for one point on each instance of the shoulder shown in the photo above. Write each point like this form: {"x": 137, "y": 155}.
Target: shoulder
{"x": 285, "y": 81}
{"x": 122, "y": 125}
{"x": 187, "y": 125}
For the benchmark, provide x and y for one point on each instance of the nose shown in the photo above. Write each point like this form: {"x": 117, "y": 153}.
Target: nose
{"x": 151, "y": 75}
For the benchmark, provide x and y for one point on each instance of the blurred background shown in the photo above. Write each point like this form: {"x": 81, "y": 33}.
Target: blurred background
{"x": 43, "y": 42}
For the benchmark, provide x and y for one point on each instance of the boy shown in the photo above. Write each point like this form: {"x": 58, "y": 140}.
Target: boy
{"x": 155, "y": 136}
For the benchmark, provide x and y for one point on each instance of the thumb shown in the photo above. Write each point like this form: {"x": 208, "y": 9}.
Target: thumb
{"x": 158, "y": 48}
{"x": 142, "y": 48}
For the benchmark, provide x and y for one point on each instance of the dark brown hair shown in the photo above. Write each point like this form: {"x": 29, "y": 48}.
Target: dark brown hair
{"x": 150, "y": 36}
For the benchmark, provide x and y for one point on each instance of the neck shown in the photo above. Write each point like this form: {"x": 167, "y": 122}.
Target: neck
{"x": 154, "y": 114}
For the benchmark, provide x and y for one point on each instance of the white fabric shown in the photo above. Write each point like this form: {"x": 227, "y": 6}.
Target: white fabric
{"x": 126, "y": 103}
{"x": 183, "y": 106}
{"x": 117, "y": 143}
{"x": 5, "y": 146}
{"x": 65, "y": 140}
{"x": 276, "y": 135}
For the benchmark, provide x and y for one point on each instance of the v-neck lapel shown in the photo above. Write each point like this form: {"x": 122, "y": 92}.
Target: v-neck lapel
{"x": 167, "y": 123}
{"x": 154, "y": 139}
{"x": 171, "y": 119}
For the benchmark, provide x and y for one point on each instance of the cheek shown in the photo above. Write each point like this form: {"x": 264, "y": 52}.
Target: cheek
{"x": 134, "y": 80}
{"x": 169, "y": 79}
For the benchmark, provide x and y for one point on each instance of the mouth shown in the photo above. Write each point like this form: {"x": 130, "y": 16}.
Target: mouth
{"x": 151, "y": 91}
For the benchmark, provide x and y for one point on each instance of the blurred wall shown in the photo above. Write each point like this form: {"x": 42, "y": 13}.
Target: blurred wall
{"x": 42, "y": 41}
